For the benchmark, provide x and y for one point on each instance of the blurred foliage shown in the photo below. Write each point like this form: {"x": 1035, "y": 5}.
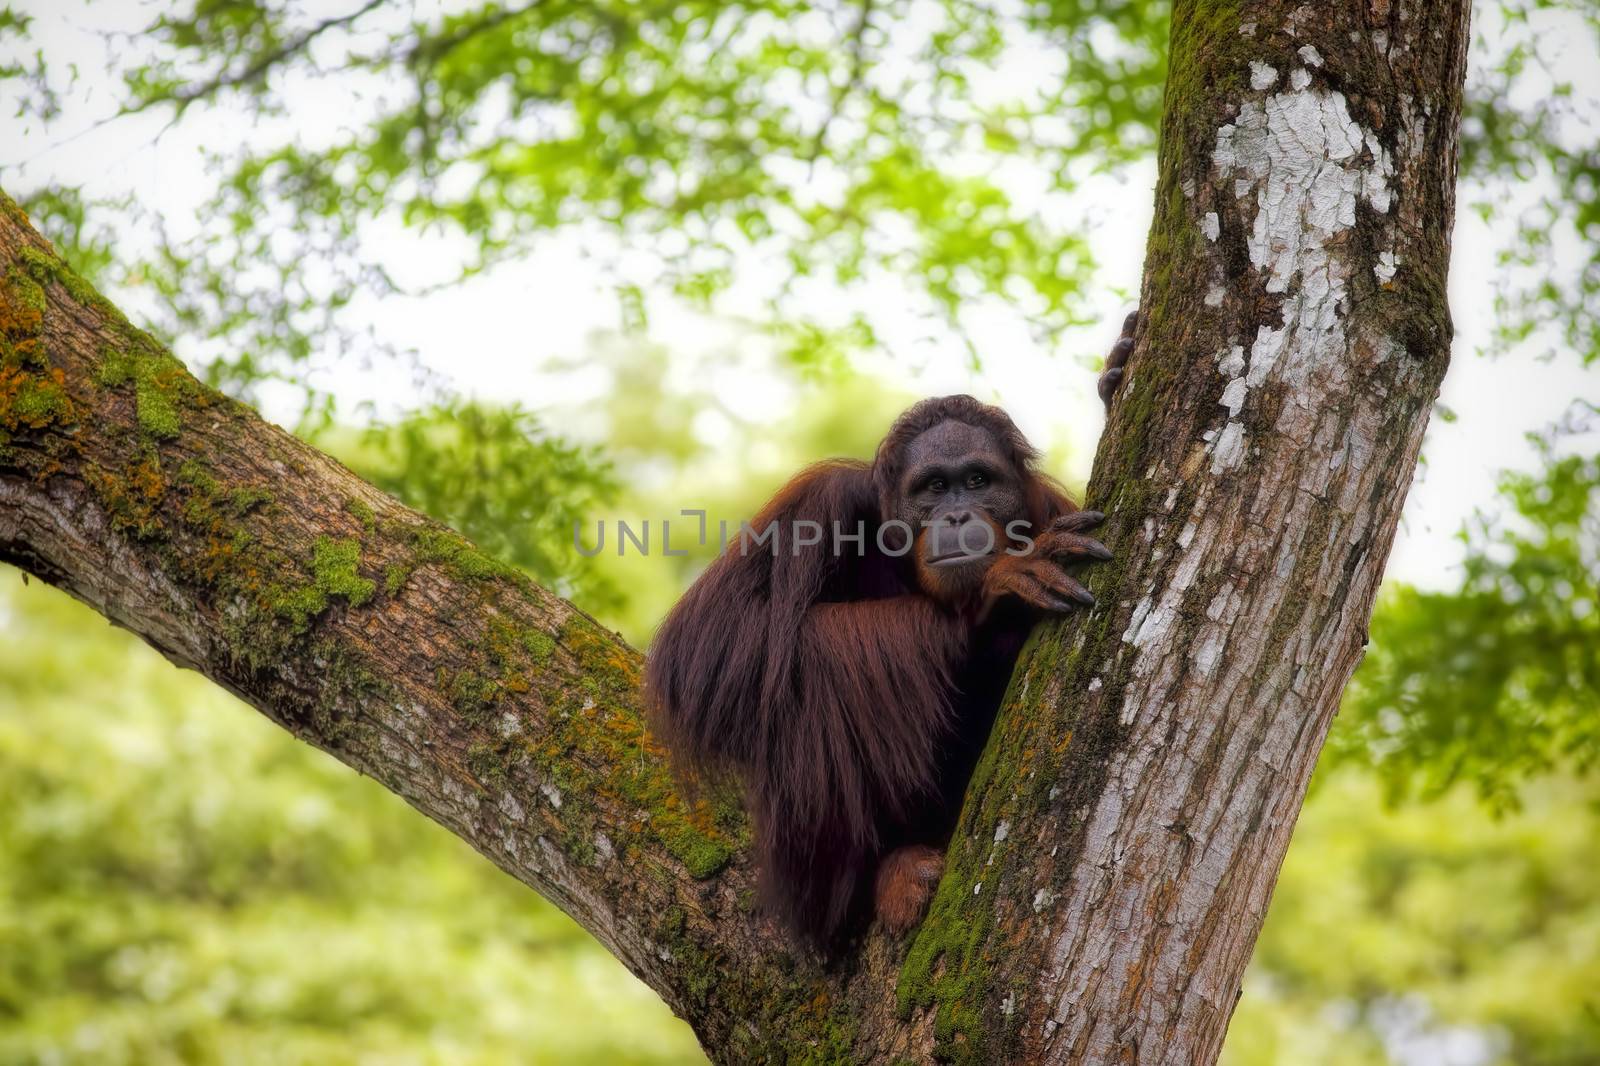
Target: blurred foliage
{"x": 1433, "y": 934}
{"x": 692, "y": 146}
{"x": 1525, "y": 118}
{"x": 1499, "y": 681}
{"x": 496, "y": 475}
{"x": 183, "y": 882}
{"x": 829, "y": 140}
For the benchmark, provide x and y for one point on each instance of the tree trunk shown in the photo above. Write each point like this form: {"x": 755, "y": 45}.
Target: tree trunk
{"x": 1127, "y": 821}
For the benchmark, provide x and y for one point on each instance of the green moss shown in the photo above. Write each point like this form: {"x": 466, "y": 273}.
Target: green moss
{"x": 334, "y": 566}
{"x": 346, "y": 684}
{"x": 160, "y": 382}
{"x": 158, "y": 415}
{"x": 1037, "y": 758}
{"x": 486, "y": 762}
{"x": 334, "y": 573}
{"x": 133, "y": 495}
{"x": 32, "y": 401}
{"x": 702, "y": 855}
{"x": 271, "y": 597}
{"x": 605, "y": 667}
{"x": 363, "y": 513}
{"x": 578, "y": 840}
{"x": 86, "y": 294}
{"x": 13, "y": 211}
{"x": 1208, "y": 69}
{"x": 589, "y": 710}
{"x": 790, "y": 1015}
{"x": 242, "y": 501}
{"x": 39, "y": 265}
{"x": 24, "y": 291}
{"x": 394, "y": 577}
{"x": 947, "y": 967}
{"x": 600, "y": 718}
{"x": 703, "y": 835}
{"x": 435, "y": 545}
{"x": 540, "y": 646}
{"x": 193, "y": 474}
{"x": 1209, "y": 61}
{"x": 22, "y": 305}
{"x": 45, "y": 267}
{"x": 697, "y": 968}
{"x": 496, "y": 670}
{"x": 468, "y": 691}
{"x": 836, "y": 1034}
{"x": 297, "y": 603}
{"x": 470, "y": 562}
{"x": 41, "y": 401}
{"x": 207, "y": 505}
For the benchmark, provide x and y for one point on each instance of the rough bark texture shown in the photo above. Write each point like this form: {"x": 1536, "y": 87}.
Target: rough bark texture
{"x": 1129, "y": 817}
{"x": 1123, "y": 835}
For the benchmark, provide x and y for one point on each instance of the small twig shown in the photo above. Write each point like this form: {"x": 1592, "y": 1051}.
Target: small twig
{"x": 427, "y": 54}
{"x": 858, "y": 63}
{"x": 262, "y": 64}
{"x": 432, "y": 51}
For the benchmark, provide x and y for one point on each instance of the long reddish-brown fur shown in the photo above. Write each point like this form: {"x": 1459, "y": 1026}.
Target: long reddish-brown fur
{"x": 850, "y": 703}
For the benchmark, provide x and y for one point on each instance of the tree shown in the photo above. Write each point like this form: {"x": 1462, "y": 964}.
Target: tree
{"x": 1128, "y": 818}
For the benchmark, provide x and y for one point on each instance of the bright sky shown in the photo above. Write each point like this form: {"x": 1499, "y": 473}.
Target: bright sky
{"x": 493, "y": 336}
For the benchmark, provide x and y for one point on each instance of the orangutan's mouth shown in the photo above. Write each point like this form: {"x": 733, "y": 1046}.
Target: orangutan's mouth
{"x": 960, "y": 558}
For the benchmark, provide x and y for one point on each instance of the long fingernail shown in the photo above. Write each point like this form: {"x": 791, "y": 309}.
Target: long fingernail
{"x": 1100, "y": 551}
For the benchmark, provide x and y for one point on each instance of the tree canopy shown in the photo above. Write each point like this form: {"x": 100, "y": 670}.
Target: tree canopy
{"x": 744, "y": 156}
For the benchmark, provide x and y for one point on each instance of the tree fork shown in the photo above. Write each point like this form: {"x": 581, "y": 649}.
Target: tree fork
{"x": 1128, "y": 819}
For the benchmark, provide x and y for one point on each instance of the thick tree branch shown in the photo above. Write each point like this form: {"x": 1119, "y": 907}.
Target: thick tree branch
{"x": 1127, "y": 822}
{"x": 364, "y": 628}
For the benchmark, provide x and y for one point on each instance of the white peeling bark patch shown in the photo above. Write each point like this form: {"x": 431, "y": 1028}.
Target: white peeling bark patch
{"x": 1386, "y": 267}
{"x": 1301, "y": 163}
{"x": 1307, "y": 161}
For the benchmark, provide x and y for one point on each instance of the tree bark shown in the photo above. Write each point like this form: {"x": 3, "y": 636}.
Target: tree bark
{"x": 1128, "y": 819}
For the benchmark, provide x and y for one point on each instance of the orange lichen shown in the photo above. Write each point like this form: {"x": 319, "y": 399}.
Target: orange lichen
{"x": 32, "y": 400}
{"x": 133, "y": 499}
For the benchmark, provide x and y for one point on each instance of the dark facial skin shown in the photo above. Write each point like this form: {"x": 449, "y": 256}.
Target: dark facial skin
{"x": 958, "y": 495}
